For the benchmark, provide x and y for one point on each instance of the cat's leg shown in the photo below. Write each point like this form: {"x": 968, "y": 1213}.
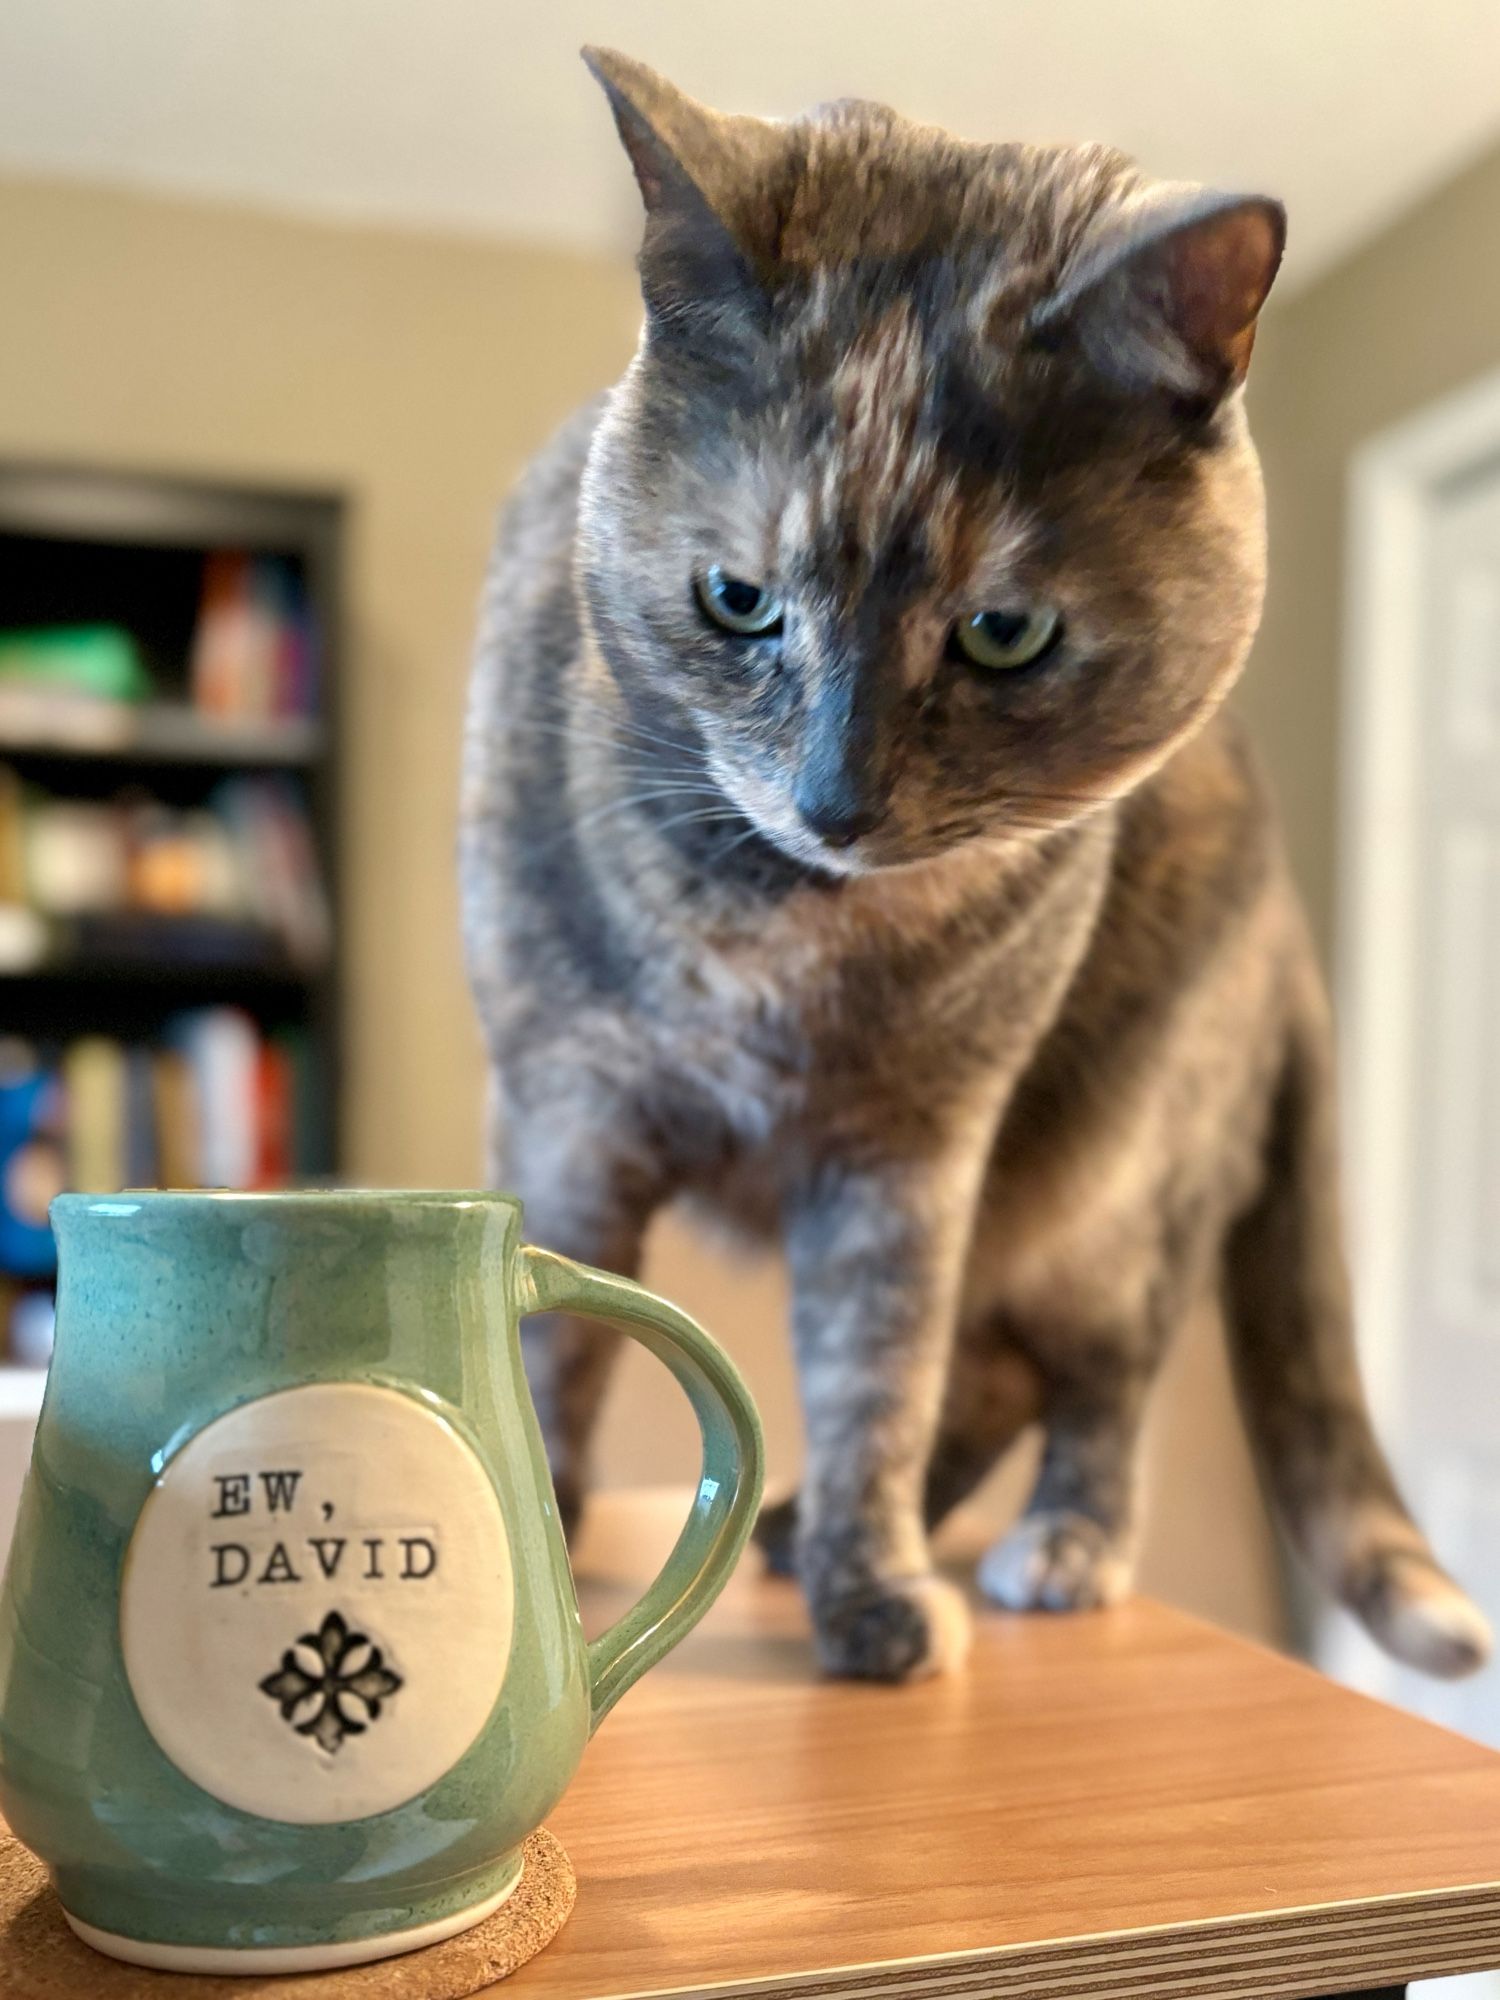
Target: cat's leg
{"x": 1093, "y": 1318}
{"x": 776, "y": 1535}
{"x": 877, "y": 1253}
{"x": 589, "y": 1186}
{"x": 993, "y": 1394}
{"x": 1074, "y": 1546}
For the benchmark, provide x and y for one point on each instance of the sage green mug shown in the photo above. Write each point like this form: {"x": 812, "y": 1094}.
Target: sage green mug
{"x": 290, "y": 1656}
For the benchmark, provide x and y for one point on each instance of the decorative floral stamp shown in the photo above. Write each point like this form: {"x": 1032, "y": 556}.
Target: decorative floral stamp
{"x": 331, "y": 1684}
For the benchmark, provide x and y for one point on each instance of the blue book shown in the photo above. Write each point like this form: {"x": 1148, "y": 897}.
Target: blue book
{"x": 31, "y": 1161}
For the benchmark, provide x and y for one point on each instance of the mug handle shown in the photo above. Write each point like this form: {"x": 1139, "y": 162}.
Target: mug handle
{"x": 724, "y": 1506}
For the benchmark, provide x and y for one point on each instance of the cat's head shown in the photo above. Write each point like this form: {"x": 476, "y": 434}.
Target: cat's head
{"x": 926, "y": 511}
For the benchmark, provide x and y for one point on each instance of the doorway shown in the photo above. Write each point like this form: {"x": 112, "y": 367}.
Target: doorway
{"x": 1419, "y": 996}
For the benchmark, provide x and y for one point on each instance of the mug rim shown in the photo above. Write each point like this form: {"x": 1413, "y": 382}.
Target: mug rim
{"x": 128, "y": 1202}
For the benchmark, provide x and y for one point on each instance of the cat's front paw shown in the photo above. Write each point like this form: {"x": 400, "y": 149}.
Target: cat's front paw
{"x": 1055, "y": 1562}
{"x": 901, "y": 1630}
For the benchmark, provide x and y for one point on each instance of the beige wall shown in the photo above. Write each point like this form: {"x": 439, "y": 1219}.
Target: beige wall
{"x": 1413, "y": 315}
{"x": 415, "y": 374}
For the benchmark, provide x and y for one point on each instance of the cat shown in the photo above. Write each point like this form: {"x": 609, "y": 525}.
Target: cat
{"x": 853, "y": 841}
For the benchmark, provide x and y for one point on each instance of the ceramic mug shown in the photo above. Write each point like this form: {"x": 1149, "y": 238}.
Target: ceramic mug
{"x": 290, "y": 1656}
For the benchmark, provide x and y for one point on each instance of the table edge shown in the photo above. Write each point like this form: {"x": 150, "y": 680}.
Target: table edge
{"x": 1302, "y": 1949}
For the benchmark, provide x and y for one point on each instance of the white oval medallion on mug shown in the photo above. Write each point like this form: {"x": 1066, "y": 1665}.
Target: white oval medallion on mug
{"x": 317, "y": 1603}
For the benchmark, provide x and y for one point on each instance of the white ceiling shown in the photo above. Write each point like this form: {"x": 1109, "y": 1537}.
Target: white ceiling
{"x": 477, "y": 115}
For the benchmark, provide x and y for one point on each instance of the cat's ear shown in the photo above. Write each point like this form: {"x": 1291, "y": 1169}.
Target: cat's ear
{"x": 686, "y": 158}
{"x": 1167, "y": 297}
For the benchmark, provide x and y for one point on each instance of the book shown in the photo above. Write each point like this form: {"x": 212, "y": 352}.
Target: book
{"x": 305, "y": 1083}
{"x": 87, "y": 662}
{"x": 219, "y": 637}
{"x": 254, "y": 652}
{"x": 140, "y": 1166}
{"x": 32, "y": 1168}
{"x": 222, "y": 1049}
{"x": 274, "y": 1118}
{"x": 12, "y": 837}
{"x": 281, "y": 883}
{"x": 177, "y": 1119}
{"x": 94, "y": 1083}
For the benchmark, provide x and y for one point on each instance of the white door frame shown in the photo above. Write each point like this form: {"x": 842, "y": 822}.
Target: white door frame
{"x": 1394, "y": 481}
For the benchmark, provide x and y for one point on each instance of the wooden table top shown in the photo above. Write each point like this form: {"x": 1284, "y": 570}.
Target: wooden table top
{"x": 1119, "y": 1803}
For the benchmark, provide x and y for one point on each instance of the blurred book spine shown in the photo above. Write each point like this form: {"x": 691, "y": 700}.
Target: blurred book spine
{"x": 32, "y": 1167}
{"x": 274, "y": 1121}
{"x": 255, "y": 650}
{"x": 174, "y": 1107}
{"x": 222, "y": 1048}
{"x": 93, "y": 1071}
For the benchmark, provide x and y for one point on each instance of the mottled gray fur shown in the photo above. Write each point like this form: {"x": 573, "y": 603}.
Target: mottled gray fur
{"x": 985, "y": 992}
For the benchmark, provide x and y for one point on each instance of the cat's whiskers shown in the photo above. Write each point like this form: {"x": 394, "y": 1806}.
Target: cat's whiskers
{"x": 630, "y": 755}
{"x": 644, "y": 795}
{"x": 571, "y": 733}
{"x": 752, "y": 831}
{"x": 617, "y": 721}
{"x": 711, "y": 814}
{"x": 633, "y": 801}
{"x": 1072, "y": 802}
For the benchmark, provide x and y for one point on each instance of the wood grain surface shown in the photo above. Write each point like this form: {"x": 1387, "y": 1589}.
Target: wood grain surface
{"x": 1116, "y": 1806}
{"x": 1119, "y": 1804}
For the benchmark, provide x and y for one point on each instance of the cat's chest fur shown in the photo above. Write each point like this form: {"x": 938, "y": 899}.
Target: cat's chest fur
{"x": 864, "y": 998}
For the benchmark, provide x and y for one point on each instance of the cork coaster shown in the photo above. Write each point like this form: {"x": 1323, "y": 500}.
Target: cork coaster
{"x": 40, "y": 1959}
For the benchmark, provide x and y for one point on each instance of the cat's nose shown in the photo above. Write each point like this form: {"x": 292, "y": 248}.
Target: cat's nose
{"x": 840, "y": 787}
{"x": 839, "y": 822}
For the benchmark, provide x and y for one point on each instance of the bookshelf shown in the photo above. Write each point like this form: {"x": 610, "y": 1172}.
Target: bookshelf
{"x": 169, "y": 935}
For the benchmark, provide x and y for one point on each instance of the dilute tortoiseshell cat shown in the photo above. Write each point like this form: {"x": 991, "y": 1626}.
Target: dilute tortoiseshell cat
{"x": 853, "y": 843}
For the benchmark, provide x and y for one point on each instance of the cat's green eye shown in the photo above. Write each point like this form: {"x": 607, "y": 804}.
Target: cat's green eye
{"x": 1001, "y": 640}
{"x": 748, "y": 610}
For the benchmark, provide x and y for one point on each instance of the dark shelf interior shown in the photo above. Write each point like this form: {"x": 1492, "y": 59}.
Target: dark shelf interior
{"x": 155, "y": 739}
{"x": 150, "y": 587}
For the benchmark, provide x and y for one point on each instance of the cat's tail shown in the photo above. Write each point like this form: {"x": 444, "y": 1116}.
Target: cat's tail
{"x": 1291, "y": 1339}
